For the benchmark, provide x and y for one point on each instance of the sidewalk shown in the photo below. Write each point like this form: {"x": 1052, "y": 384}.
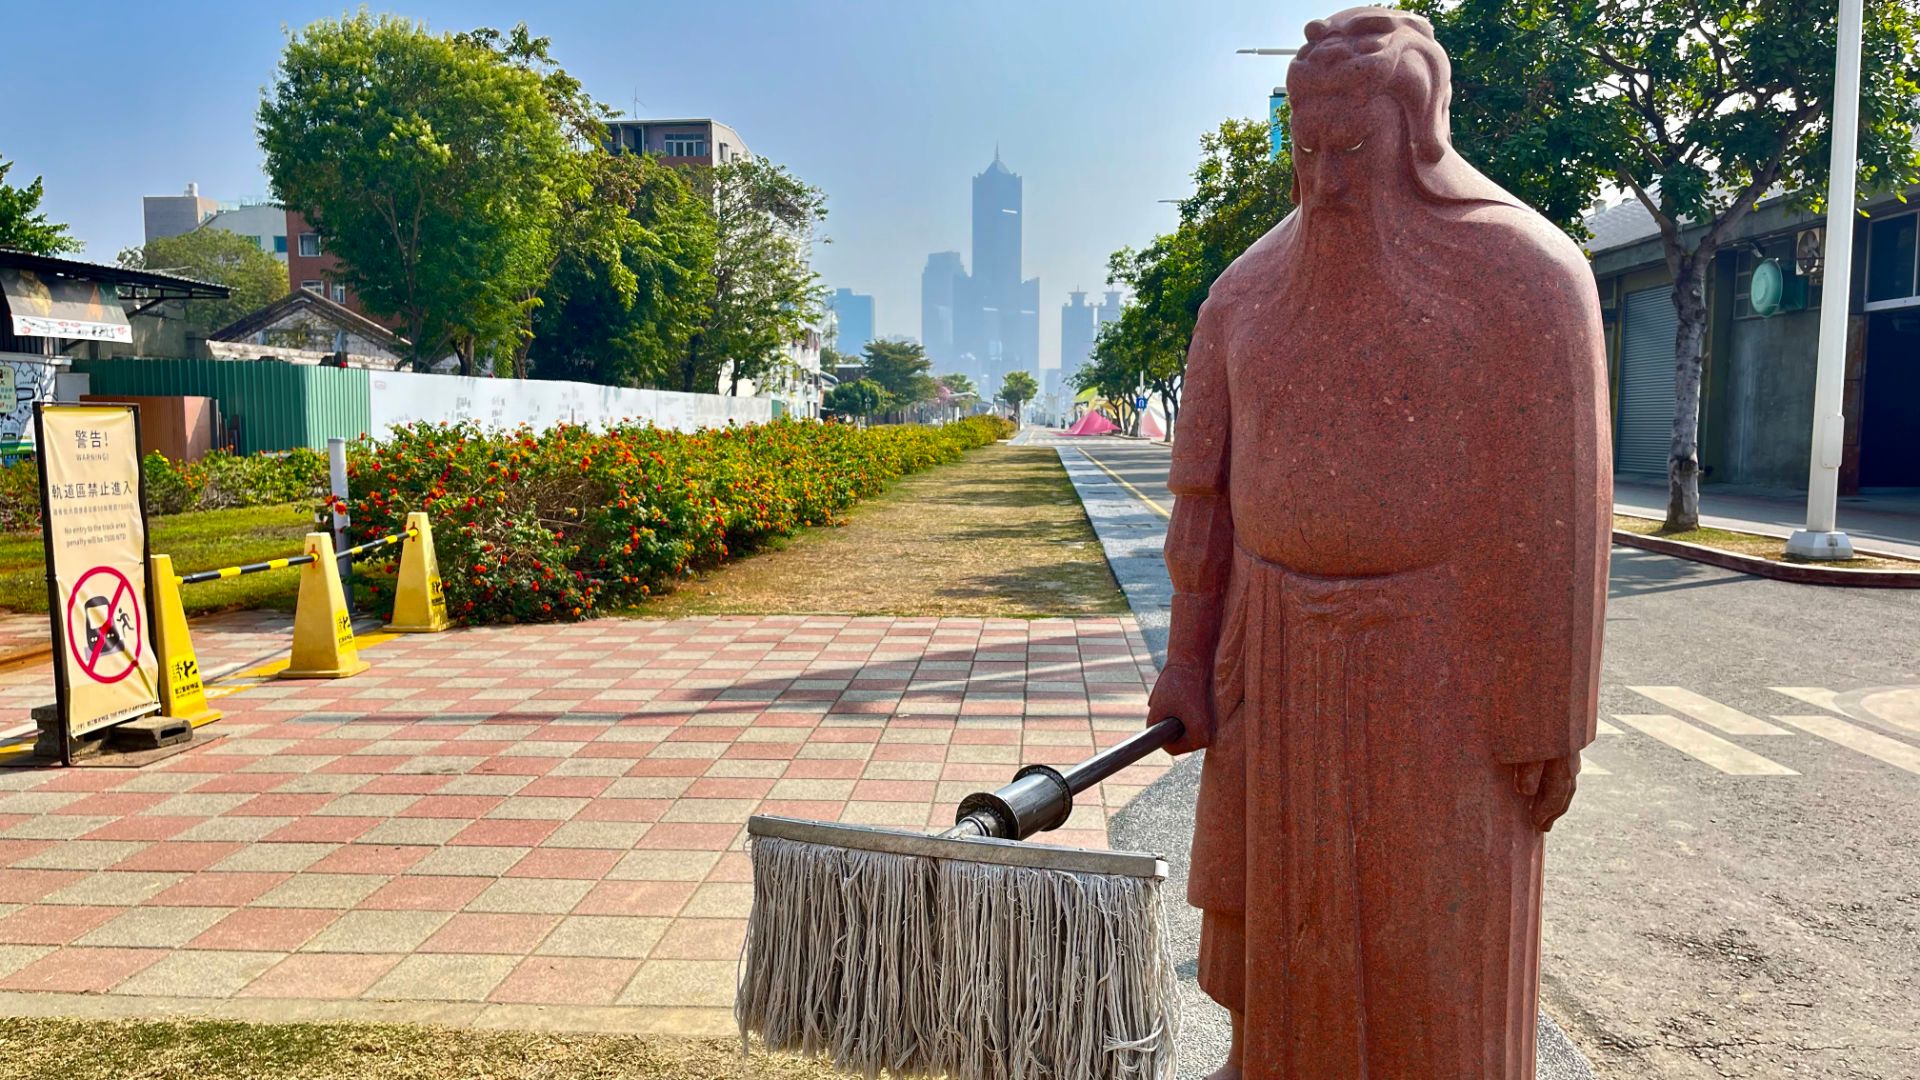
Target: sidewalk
{"x": 1888, "y": 522}
{"x": 536, "y": 826}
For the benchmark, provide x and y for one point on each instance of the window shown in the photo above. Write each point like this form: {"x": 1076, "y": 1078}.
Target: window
{"x": 724, "y": 156}
{"x": 683, "y": 146}
{"x": 315, "y": 286}
{"x": 339, "y": 293}
{"x": 279, "y": 245}
{"x": 309, "y": 245}
{"x": 1890, "y": 258}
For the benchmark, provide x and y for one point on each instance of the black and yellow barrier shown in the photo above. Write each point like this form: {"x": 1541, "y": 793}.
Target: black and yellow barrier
{"x": 296, "y": 560}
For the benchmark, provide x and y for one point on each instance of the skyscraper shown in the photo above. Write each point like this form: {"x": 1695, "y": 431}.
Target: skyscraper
{"x": 942, "y": 276}
{"x": 1077, "y": 327}
{"x": 853, "y": 320}
{"x": 996, "y": 313}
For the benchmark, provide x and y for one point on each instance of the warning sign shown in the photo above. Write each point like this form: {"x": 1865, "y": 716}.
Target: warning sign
{"x": 96, "y": 547}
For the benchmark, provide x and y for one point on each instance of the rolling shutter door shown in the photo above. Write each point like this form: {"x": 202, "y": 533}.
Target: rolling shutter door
{"x": 1645, "y": 427}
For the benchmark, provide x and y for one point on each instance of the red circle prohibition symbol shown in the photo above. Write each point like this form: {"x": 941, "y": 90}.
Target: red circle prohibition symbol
{"x": 89, "y": 647}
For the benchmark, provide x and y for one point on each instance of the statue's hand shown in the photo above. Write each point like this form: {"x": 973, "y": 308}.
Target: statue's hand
{"x": 1183, "y": 692}
{"x": 1549, "y": 784}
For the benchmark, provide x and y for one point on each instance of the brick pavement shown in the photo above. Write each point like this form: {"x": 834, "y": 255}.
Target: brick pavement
{"x": 533, "y": 826}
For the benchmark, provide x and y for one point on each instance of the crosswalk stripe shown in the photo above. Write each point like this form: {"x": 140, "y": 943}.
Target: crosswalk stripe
{"x": 1816, "y": 696}
{"x": 1708, "y": 711}
{"x": 1874, "y": 745}
{"x": 1704, "y": 746}
{"x": 1601, "y": 727}
{"x": 1588, "y": 768}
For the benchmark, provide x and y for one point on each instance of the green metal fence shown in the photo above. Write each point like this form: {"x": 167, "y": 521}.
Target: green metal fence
{"x": 275, "y": 405}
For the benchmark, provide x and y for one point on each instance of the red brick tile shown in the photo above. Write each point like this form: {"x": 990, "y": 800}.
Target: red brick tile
{"x": 369, "y": 764}
{"x": 636, "y": 898}
{"x": 115, "y": 803}
{"x": 265, "y": 929}
{"x": 517, "y": 765}
{"x": 23, "y": 886}
{"x": 825, "y": 769}
{"x": 13, "y": 851}
{"x": 583, "y": 864}
{"x": 734, "y": 866}
{"x": 281, "y": 804}
{"x": 452, "y": 806}
{"x": 624, "y": 810}
{"x": 52, "y": 924}
{"x": 504, "y": 832}
{"x": 321, "y": 975}
{"x": 566, "y": 980}
{"x": 81, "y": 971}
{"x": 845, "y": 735}
{"x": 143, "y": 828}
{"x": 252, "y": 783}
{"x": 689, "y": 836}
{"x": 185, "y": 855}
{"x": 218, "y": 889}
{"x": 371, "y": 859}
{"x": 728, "y": 787}
{"x": 489, "y": 932}
{"x": 426, "y": 893}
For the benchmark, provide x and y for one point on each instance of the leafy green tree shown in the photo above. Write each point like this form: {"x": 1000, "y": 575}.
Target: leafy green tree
{"x": 253, "y": 278}
{"x": 957, "y": 385}
{"x": 1017, "y": 388}
{"x": 23, "y": 227}
{"x": 900, "y": 367}
{"x": 861, "y": 398}
{"x": 762, "y": 293}
{"x": 429, "y": 164}
{"x": 587, "y": 327}
{"x": 1699, "y": 108}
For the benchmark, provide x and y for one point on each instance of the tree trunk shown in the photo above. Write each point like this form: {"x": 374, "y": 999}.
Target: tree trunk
{"x": 1689, "y": 354}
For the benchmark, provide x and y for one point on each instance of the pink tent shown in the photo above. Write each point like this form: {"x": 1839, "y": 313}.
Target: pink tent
{"x": 1150, "y": 427}
{"x": 1094, "y": 423}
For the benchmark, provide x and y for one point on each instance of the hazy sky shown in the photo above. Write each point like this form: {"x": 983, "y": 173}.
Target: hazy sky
{"x": 890, "y": 106}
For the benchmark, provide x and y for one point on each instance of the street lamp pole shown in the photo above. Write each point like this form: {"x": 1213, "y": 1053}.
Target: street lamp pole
{"x": 1822, "y": 538}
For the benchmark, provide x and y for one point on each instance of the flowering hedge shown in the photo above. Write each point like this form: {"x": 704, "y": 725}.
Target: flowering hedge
{"x": 559, "y": 524}
{"x": 216, "y": 482}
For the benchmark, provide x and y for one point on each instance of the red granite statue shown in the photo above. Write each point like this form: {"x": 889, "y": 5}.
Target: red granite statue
{"x": 1389, "y": 551}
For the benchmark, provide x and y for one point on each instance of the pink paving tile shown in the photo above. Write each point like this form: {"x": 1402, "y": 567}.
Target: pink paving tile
{"x": 845, "y": 735}
{"x": 489, "y": 932}
{"x": 516, "y": 765}
{"x": 23, "y": 886}
{"x": 420, "y": 784}
{"x": 659, "y": 898}
{"x": 143, "y": 828}
{"x": 232, "y": 889}
{"x": 733, "y": 866}
{"x": 425, "y": 893}
{"x": 13, "y": 851}
{"x": 81, "y": 971}
{"x": 371, "y": 859}
{"x": 187, "y": 855}
{"x": 580, "y": 864}
{"x": 368, "y": 764}
{"x": 265, "y": 929}
{"x": 321, "y": 975}
{"x": 825, "y": 769}
{"x": 52, "y": 924}
{"x": 689, "y": 836}
{"x": 566, "y": 980}
{"x": 470, "y": 748}
{"x": 114, "y": 803}
{"x": 633, "y": 750}
{"x": 282, "y": 804}
{"x": 252, "y": 783}
{"x": 728, "y": 787}
{"x": 504, "y": 832}
{"x": 451, "y": 806}
{"x": 624, "y": 810}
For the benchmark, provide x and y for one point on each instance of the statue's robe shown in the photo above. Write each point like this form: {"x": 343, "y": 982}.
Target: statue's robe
{"x": 1392, "y": 484}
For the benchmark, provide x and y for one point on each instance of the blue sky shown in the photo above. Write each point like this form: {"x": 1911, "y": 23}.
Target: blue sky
{"x": 890, "y": 107}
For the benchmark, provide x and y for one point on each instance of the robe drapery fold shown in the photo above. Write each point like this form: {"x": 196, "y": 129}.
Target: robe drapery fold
{"x": 1375, "y": 903}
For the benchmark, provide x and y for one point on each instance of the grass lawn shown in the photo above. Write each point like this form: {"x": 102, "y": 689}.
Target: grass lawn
{"x": 1751, "y": 544}
{"x": 226, "y": 1050}
{"x": 999, "y": 533}
{"x": 202, "y": 540}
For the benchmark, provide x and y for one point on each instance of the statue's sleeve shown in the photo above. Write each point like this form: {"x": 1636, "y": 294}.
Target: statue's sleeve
{"x": 1199, "y": 546}
{"x": 1550, "y": 475}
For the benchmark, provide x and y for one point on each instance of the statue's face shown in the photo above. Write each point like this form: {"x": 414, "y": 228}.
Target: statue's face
{"x": 1346, "y": 127}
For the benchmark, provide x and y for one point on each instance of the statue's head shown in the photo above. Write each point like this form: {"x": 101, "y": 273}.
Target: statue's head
{"x": 1370, "y": 93}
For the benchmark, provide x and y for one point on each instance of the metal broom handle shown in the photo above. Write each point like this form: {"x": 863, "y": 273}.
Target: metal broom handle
{"x": 1041, "y": 796}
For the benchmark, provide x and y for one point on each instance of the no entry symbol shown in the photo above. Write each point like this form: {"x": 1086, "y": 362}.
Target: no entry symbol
{"x": 104, "y": 627}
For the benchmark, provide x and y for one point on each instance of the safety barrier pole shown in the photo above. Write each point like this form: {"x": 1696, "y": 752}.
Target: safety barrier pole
{"x": 183, "y": 696}
{"x": 323, "y": 644}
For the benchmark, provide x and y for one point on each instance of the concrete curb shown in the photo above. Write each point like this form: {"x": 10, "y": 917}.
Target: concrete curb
{"x": 1797, "y": 573}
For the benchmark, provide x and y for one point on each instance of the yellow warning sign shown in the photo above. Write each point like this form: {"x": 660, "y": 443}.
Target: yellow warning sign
{"x": 96, "y": 548}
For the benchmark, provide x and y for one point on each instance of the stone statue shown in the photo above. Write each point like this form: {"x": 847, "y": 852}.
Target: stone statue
{"x": 1389, "y": 553}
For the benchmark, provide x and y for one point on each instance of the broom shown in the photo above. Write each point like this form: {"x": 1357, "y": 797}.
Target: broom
{"x": 966, "y": 954}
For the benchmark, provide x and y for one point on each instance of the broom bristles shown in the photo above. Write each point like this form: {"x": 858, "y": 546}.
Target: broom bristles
{"x": 921, "y": 966}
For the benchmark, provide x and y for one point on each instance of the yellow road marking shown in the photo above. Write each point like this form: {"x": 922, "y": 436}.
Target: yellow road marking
{"x": 1874, "y": 745}
{"x": 1705, "y": 746}
{"x": 1122, "y": 481}
{"x": 1707, "y": 711}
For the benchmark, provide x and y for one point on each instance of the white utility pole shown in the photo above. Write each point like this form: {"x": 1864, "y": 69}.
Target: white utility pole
{"x": 1822, "y": 538}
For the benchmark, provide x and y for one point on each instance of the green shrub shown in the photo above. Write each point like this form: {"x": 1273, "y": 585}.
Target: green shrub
{"x": 559, "y": 524}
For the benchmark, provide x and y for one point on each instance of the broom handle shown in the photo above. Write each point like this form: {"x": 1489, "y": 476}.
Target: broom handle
{"x": 1041, "y": 797}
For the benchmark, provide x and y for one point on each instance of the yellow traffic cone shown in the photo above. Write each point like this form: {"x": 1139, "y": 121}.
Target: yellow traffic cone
{"x": 323, "y": 646}
{"x": 182, "y": 696}
{"x": 419, "y": 601}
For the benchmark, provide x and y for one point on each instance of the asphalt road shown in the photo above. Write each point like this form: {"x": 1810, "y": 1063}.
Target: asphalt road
{"x": 1736, "y": 892}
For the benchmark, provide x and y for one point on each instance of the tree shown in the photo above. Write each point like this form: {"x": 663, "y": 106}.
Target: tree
{"x": 861, "y": 398}
{"x": 900, "y": 367}
{"x": 253, "y": 278}
{"x": 762, "y": 293}
{"x": 429, "y": 165}
{"x": 957, "y": 385}
{"x": 1699, "y": 108}
{"x": 23, "y": 227}
{"x": 1018, "y": 388}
